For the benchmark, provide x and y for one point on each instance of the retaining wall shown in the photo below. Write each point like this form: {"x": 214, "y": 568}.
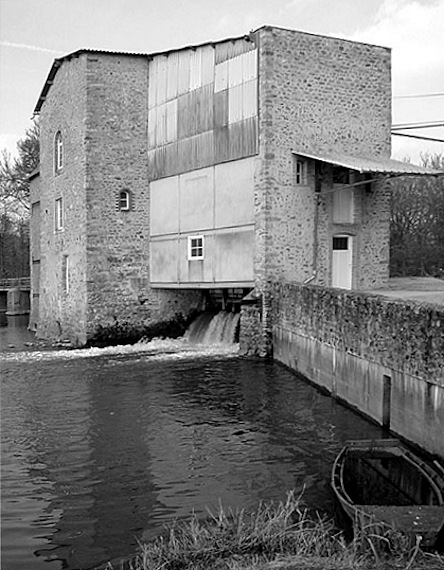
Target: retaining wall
{"x": 382, "y": 356}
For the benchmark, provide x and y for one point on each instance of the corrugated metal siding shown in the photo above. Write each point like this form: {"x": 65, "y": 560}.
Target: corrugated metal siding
{"x": 194, "y": 95}
{"x": 230, "y": 49}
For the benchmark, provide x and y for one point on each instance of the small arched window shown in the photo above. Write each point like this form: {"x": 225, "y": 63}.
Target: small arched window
{"x": 124, "y": 200}
{"x": 58, "y": 152}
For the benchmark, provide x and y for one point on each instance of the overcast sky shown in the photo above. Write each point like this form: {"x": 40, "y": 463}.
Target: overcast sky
{"x": 34, "y": 32}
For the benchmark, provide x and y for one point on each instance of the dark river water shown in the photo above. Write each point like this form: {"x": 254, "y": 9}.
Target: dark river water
{"x": 101, "y": 448}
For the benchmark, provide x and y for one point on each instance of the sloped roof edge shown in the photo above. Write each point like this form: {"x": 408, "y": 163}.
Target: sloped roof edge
{"x": 370, "y": 165}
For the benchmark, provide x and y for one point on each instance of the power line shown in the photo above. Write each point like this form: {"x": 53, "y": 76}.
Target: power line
{"x": 418, "y": 96}
{"x": 417, "y": 137}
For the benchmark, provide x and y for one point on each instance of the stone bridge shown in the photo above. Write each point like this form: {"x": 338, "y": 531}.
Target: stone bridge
{"x": 14, "y": 299}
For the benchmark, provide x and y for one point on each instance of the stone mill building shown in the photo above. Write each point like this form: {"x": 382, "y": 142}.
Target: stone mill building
{"x": 208, "y": 171}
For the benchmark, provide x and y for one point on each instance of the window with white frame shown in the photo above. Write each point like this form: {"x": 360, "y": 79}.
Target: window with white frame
{"x": 195, "y": 247}
{"x": 299, "y": 172}
{"x": 58, "y": 215}
{"x": 124, "y": 200}
{"x": 58, "y": 152}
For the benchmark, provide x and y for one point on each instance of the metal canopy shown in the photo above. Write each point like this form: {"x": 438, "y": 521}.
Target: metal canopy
{"x": 369, "y": 165}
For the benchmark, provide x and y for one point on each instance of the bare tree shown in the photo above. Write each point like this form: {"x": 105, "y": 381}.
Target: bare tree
{"x": 417, "y": 223}
{"x": 14, "y": 204}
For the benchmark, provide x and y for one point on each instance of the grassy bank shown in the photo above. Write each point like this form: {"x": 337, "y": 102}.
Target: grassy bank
{"x": 277, "y": 536}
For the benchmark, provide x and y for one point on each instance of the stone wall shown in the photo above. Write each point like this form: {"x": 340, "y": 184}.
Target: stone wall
{"x": 317, "y": 94}
{"x": 63, "y": 314}
{"x": 382, "y": 356}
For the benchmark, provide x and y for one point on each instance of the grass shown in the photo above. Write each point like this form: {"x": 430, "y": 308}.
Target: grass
{"x": 277, "y": 536}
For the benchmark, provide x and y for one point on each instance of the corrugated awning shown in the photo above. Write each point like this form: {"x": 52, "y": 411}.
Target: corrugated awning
{"x": 366, "y": 165}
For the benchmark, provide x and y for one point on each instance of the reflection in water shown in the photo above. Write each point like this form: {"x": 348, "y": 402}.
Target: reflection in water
{"x": 100, "y": 448}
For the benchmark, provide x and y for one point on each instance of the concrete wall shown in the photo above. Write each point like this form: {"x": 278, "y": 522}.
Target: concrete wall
{"x": 384, "y": 357}
{"x": 319, "y": 94}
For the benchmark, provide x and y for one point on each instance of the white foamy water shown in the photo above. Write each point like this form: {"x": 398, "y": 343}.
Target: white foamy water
{"x": 159, "y": 349}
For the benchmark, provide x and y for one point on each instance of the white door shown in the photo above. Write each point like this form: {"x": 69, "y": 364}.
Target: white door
{"x": 342, "y": 262}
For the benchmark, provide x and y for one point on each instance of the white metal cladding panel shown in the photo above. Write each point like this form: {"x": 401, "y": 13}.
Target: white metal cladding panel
{"x": 221, "y": 76}
{"x": 235, "y": 103}
{"x": 242, "y": 101}
{"x": 164, "y": 206}
{"x": 208, "y": 55}
{"x": 242, "y": 68}
{"x": 171, "y": 120}
{"x": 152, "y": 83}
{"x": 232, "y": 48}
{"x": 196, "y": 200}
{"x": 163, "y": 261}
{"x": 233, "y": 255}
{"x": 152, "y": 114}
{"x": 184, "y": 71}
{"x": 234, "y": 193}
{"x": 195, "y": 69}
{"x": 172, "y": 75}
{"x": 160, "y": 129}
{"x": 249, "y": 99}
{"x": 161, "y": 79}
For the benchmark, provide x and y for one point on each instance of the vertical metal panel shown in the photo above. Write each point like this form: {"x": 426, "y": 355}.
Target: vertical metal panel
{"x": 171, "y": 120}
{"x": 152, "y": 83}
{"x": 221, "y": 145}
{"x": 221, "y": 108}
{"x": 204, "y": 150}
{"x": 249, "y": 137}
{"x": 160, "y": 134}
{"x": 235, "y": 70}
{"x": 161, "y": 79}
{"x": 184, "y": 152}
{"x": 221, "y": 76}
{"x": 204, "y": 108}
{"x": 186, "y": 115}
{"x": 184, "y": 71}
{"x": 208, "y": 54}
{"x": 235, "y": 103}
{"x": 249, "y": 65}
{"x": 232, "y": 48}
{"x": 249, "y": 99}
{"x": 195, "y": 68}
{"x": 152, "y": 113}
{"x": 173, "y": 75}
{"x": 235, "y": 137}
{"x": 171, "y": 159}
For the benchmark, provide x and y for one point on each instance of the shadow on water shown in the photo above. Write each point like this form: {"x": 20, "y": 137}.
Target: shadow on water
{"x": 102, "y": 447}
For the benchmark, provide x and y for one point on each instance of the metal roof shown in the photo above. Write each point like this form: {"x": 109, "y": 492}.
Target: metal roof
{"x": 369, "y": 165}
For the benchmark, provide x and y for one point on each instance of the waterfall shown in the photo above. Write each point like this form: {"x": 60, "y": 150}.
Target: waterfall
{"x": 210, "y": 328}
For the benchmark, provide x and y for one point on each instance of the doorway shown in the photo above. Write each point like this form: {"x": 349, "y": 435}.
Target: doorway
{"x": 342, "y": 261}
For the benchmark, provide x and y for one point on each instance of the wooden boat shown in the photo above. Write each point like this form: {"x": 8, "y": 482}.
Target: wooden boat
{"x": 381, "y": 481}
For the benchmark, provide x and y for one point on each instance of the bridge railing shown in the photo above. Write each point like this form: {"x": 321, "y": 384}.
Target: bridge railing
{"x": 20, "y": 282}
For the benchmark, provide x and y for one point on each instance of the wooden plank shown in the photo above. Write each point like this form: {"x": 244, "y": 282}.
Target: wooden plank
{"x": 419, "y": 519}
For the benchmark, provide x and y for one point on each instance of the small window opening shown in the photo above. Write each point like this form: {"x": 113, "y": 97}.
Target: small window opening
{"x": 58, "y": 152}
{"x": 195, "y": 247}
{"x": 340, "y": 243}
{"x": 58, "y": 215}
{"x": 300, "y": 172}
{"x": 124, "y": 200}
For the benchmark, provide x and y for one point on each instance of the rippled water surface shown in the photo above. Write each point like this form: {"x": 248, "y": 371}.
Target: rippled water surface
{"x": 102, "y": 447}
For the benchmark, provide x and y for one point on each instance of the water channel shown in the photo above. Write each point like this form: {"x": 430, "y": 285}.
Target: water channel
{"x": 103, "y": 447}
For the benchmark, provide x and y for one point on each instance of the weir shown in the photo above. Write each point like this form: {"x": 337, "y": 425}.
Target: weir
{"x": 214, "y": 328}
